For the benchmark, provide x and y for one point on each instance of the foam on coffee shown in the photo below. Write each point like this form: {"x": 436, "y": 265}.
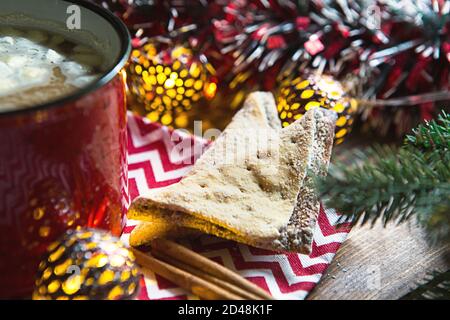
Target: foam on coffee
{"x": 38, "y": 66}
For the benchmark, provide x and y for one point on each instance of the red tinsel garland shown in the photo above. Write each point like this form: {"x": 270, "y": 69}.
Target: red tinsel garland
{"x": 391, "y": 55}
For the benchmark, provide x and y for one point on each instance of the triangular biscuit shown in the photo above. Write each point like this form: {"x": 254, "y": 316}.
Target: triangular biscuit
{"x": 253, "y": 184}
{"x": 258, "y": 112}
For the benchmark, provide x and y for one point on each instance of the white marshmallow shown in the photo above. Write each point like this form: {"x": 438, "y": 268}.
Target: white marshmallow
{"x": 7, "y": 41}
{"x": 5, "y": 70}
{"x": 16, "y": 61}
{"x": 54, "y": 57}
{"x": 26, "y": 62}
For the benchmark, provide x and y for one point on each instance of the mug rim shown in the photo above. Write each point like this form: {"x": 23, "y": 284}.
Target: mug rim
{"x": 107, "y": 76}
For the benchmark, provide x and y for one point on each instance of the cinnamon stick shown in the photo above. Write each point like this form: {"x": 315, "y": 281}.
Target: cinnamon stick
{"x": 187, "y": 256}
{"x": 211, "y": 279}
{"x": 190, "y": 282}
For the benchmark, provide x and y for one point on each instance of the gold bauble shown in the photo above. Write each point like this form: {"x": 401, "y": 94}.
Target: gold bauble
{"x": 168, "y": 83}
{"x": 87, "y": 264}
{"x": 304, "y": 92}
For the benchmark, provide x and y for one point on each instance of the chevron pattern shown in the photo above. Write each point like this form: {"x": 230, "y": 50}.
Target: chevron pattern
{"x": 154, "y": 164}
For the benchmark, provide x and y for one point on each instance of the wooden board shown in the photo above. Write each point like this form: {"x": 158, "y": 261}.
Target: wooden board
{"x": 381, "y": 263}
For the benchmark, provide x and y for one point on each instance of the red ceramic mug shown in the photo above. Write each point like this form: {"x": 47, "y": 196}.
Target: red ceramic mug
{"x": 62, "y": 163}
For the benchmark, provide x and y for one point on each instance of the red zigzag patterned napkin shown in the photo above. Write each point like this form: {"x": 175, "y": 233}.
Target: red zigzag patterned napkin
{"x": 153, "y": 164}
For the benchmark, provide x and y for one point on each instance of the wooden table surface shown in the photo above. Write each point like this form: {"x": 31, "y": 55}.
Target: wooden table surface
{"x": 381, "y": 263}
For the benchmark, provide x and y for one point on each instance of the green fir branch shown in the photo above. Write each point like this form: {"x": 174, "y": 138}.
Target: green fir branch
{"x": 394, "y": 185}
{"x": 391, "y": 186}
{"x": 432, "y": 135}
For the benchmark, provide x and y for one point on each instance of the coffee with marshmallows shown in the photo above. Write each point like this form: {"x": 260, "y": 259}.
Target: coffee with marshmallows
{"x": 38, "y": 66}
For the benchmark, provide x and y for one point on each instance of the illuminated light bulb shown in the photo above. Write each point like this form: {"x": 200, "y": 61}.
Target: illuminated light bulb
{"x": 210, "y": 90}
{"x": 169, "y": 84}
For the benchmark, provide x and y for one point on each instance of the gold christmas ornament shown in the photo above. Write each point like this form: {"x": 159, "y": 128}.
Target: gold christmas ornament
{"x": 169, "y": 83}
{"x": 87, "y": 264}
{"x": 297, "y": 96}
